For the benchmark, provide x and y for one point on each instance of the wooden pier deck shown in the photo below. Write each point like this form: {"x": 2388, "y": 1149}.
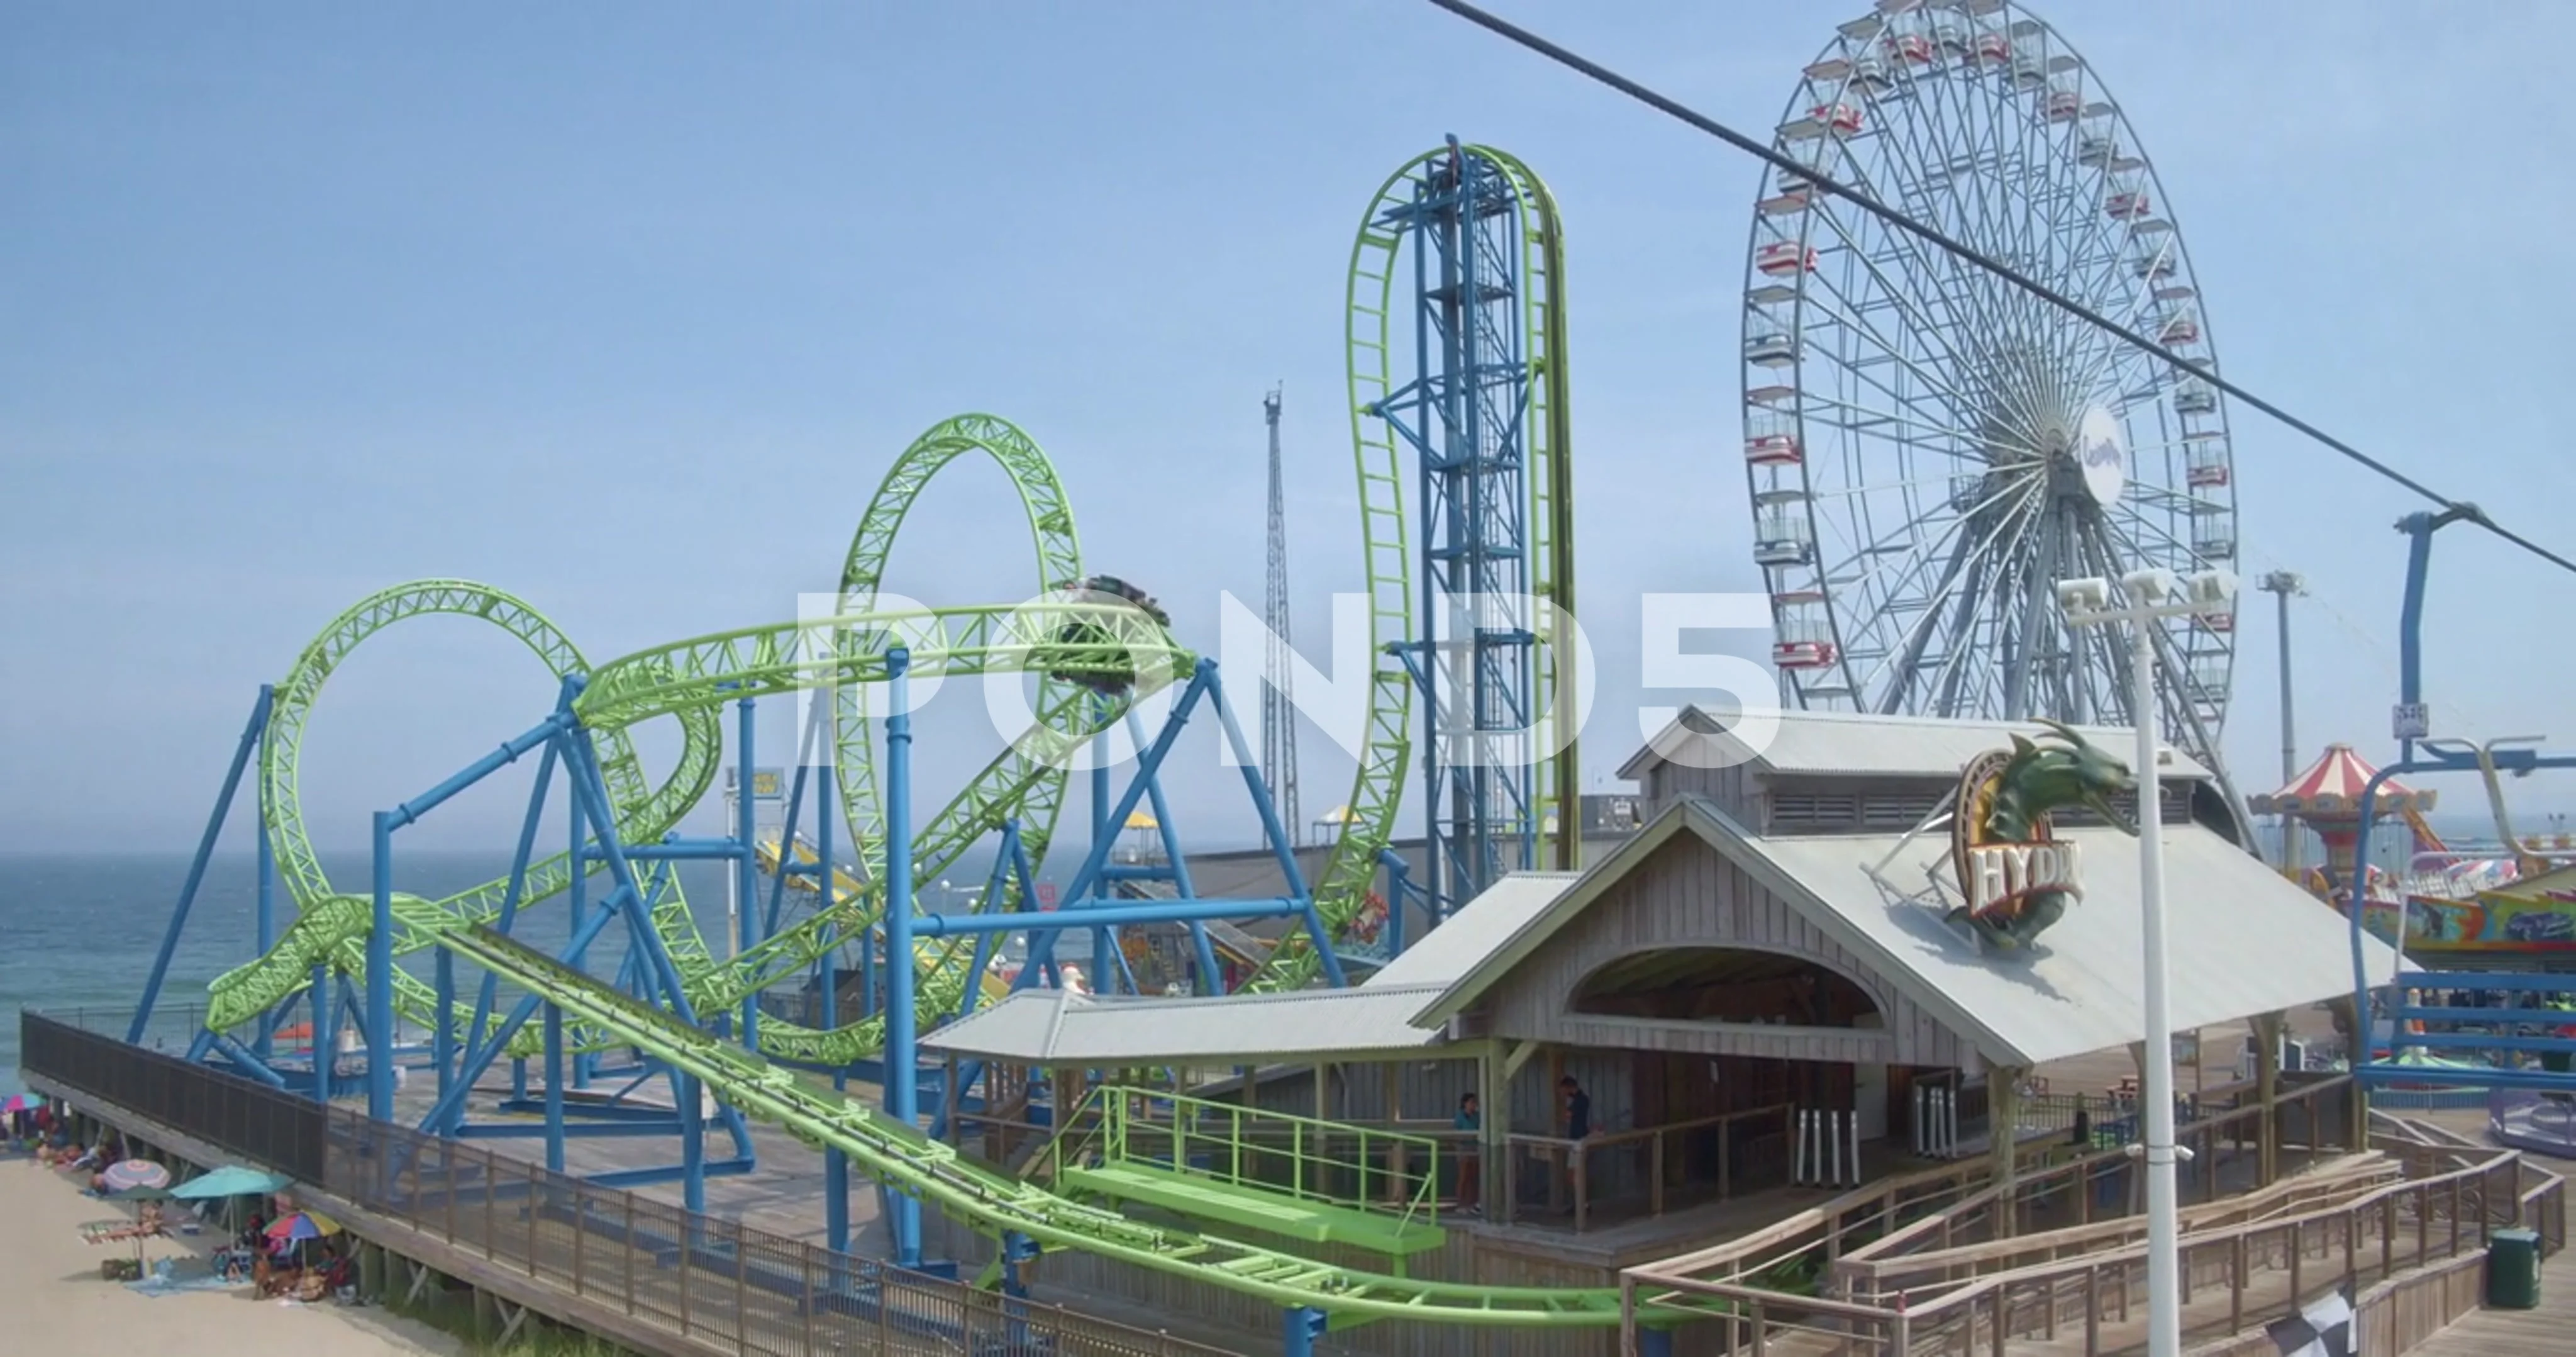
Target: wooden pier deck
{"x": 2548, "y": 1331}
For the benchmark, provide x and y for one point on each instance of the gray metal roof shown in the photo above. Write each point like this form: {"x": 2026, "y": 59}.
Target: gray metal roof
{"x": 2242, "y": 940}
{"x": 1048, "y": 1027}
{"x": 1439, "y": 957}
{"x": 1844, "y": 744}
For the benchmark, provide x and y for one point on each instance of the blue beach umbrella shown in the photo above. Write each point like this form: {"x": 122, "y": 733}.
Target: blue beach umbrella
{"x": 230, "y": 1181}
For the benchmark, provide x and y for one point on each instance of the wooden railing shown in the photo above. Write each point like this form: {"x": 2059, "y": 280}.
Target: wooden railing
{"x": 2364, "y": 1235}
{"x": 1569, "y": 1163}
{"x": 1998, "y": 1211}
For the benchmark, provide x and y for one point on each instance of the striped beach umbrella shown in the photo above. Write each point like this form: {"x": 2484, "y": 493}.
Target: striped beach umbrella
{"x": 135, "y": 1173}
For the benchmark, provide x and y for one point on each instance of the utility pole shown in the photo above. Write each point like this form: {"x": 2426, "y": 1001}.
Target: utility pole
{"x": 2284, "y": 583}
{"x": 1278, "y": 711}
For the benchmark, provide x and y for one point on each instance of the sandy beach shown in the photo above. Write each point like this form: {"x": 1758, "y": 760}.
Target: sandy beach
{"x": 55, "y": 1302}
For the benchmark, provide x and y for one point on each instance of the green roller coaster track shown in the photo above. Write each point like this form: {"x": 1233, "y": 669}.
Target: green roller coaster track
{"x": 1025, "y": 783}
{"x": 1112, "y": 641}
{"x": 1377, "y": 788}
{"x": 1061, "y": 638}
{"x": 992, "y": 1202}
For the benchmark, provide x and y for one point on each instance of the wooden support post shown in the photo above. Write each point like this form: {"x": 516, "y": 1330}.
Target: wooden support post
{"x": 2267, "y": 1094}
{"x": 1559, "y": 1168}
{"x": 2003, "y": 1120}
{"x": 1493, "y": 1124}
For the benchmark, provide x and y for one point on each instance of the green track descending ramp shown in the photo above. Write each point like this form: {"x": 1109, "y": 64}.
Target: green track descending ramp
{"x": 904, "y": 1158}
{"x": 1250, "y": 1208}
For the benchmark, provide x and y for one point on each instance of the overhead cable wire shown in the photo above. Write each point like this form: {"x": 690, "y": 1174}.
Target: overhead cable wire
{"x": 1823, "y": 184}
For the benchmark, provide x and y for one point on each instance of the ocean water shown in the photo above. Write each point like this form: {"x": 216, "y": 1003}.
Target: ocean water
{"x": 79, "y": 933}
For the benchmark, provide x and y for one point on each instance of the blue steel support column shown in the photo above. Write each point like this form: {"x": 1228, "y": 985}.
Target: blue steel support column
{"x": 265, "y": 926}
{"x": 1654, "y": 1343}
{"x": 482, "y": 1050}
{"x": 1105, "y": 829}
{"x": 251, "y": 731}
{"x": 380, "y": 978}
{"x": 2358, "y": 902}
{"x": 693, "y": 1143}
{"x": 747, "y": 873}
{"x": 577, "y": 904}
{"x": 442, "y": 1033}
{"x": 836, "y": 1164}
{"x": 380, "y": 937}
{"x": 868, "y": 1000}
{"x": 902, "y": 1057}
{"x": 997, "y": 888}
{"x": 1305, "y": 1325}
{"x": 1211, "y": 980}
{"x": 554, "y": 1089}
{"x": 325, "y": 1031}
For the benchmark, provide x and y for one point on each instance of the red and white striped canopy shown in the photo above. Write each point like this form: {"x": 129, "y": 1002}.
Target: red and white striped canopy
{"x": 2331, "y": 788}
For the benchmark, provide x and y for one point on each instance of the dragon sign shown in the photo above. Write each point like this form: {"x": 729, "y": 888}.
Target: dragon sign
{"x": 2015, "y": 874}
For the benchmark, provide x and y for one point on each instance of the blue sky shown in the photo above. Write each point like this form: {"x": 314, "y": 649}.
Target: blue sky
{"x": 626, "y": 308}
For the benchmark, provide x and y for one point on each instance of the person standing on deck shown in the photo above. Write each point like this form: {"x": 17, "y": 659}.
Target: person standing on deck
{"x": 1578, "y": 1126}
{"x": 1471, "y": 1177}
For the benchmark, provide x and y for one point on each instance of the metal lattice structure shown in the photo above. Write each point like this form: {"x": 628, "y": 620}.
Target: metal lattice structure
{"x": 1476, "y": 392}
{"x": 1278, "y": 707}
{"x": 1929, "y": 449}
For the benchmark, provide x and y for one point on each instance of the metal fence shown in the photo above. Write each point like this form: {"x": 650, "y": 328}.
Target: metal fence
{"x": 263, "y": 1125}
{"x": 710, "y": 1281}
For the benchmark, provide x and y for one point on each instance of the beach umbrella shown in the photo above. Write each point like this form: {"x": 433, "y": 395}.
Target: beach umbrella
{"x": 303, "y": 1225}
{"x": 139, "y": 1194}
{"x": 232, "y": 1180}
{"x": 135, "y": 1173}
{"x": 18, "y": 1102}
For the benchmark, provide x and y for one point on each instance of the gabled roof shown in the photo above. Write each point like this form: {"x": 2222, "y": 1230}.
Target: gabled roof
{"x": 2242, "y": 939}
{"x": 1470, "y": 934}
{"x": 1053, "y": 1027}
{"x": 1844, "y": 744}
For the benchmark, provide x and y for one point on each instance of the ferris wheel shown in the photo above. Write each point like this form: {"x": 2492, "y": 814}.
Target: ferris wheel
{"x": 1929, "y": 448}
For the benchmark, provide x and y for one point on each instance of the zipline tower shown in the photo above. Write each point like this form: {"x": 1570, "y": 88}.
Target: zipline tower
{"x": 1278, "y": 712}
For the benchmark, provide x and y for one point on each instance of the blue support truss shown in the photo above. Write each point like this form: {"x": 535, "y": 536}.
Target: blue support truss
{"x": 614, "y": 885}
{"x": 1466, "y": 416}
{"x": 1089, "y": 904}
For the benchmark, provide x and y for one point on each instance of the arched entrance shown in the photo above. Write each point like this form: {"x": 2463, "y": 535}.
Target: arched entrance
{"x": 1681, "y": 992}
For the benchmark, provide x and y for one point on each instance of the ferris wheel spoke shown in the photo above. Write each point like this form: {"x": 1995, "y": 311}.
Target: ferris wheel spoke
{"x": 1967, "y": 554}
{"x": 1908, "y": 308}
{"x": 1865, "y": 417}
{"x": 1930, "y": 375}
{"x": 1980, "y": 646}
{"x": 1860, "y": 376}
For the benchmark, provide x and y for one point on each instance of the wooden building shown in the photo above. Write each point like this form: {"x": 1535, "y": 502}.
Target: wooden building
{"x": 1768, "y": 956}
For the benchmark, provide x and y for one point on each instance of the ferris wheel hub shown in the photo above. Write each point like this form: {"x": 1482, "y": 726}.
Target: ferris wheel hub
{"x": 2101, "y": 455}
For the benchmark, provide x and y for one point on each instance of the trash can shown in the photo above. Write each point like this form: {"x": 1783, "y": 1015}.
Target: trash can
{"x": 2513, "y": 1270}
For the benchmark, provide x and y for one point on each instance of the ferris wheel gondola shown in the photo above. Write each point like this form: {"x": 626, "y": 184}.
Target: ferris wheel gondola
{"x": 1928, "y": 448}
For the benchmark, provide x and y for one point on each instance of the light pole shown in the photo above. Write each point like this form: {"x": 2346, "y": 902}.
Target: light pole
{"x": 2285, "y": 583}
{"x": 2148, "y": 597}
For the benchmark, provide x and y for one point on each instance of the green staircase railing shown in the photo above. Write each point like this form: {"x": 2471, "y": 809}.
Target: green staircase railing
{"x": 1309, "y": 1159}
